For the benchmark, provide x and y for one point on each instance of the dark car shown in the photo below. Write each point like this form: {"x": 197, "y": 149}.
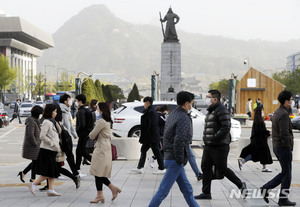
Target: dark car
{"x": 4, "y": 120}
{"x": 296, "y": 122}
{"x": 12, "y": 105}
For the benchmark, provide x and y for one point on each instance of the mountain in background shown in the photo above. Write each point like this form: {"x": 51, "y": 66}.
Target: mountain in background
{"x": 95, "y": 41}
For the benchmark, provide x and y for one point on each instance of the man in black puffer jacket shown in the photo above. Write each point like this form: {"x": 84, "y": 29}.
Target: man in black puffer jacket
{"x": 149, "y": 137}
{"x": 216, "y": 137}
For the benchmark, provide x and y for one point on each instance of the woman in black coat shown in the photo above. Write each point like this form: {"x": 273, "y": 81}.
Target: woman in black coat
{"x": 32, "y": 141}
{"x": 258, "y": 149}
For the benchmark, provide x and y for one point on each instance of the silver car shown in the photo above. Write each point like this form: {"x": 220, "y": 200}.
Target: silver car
{"x": 25, "y": 109}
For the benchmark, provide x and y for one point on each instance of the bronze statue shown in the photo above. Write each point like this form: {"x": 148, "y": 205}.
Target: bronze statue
{"x": 170, "y": 34}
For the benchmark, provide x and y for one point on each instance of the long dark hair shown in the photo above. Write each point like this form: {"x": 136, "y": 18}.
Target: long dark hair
{"x": 258, "y": 119}
{"x": 104, "y": 108}
{"x": 93, "y": 104}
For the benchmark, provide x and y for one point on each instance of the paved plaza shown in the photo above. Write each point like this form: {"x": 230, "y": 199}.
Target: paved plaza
{"x": 138, "y": 189}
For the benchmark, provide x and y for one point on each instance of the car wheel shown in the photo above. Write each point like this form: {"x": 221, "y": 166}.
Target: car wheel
{"x": 135, "y": 132}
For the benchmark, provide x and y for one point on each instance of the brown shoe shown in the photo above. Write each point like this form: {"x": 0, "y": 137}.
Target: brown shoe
{"x": 97, "y": 199}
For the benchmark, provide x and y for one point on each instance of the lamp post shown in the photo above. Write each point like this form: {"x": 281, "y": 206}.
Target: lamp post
{"x": 78, "y": 82}
{"x": 247, "y": 62}
{"x": 46, "y": 75}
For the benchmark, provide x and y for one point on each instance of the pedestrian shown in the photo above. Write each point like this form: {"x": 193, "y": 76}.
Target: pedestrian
{"x": 101, "y": 163}
{"x": 258, "y": 149}
{"x": 16, "y": 111}
{"x": 177, "y": 137}
{"x": 216, "y": 137}
{"x": 60, "y": 157}
{"x": 46, "y": 163}
{"x": 32, "y": 141}
{"x": 283, "y": 143}
{"x": 90, "y": 143}
{"x": 83, "y": 128}
{"x": 149, "y": 137}
{"x": 162, "y": 113}
{"x": 65, "y": 104}
{"x": 248, "y": 108}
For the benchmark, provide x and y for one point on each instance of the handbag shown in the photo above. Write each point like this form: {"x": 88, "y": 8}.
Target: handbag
{"x": 15, "y": 115}
{"x": 114, "y": 152}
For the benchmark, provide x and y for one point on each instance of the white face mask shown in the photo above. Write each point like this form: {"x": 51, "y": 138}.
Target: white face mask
{"x": 189, "y": 111}
{"x": 76, "y": 104}
{"x": 208, "y": 101}
{"x": 262, "y": 114}
{"x": 70, "y": 103}
{"x": 97, "y": 113}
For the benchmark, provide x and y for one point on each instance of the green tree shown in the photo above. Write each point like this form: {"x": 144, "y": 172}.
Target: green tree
{"x": 290, "y": 79}
{"x": 108, "y": 94}
{"x": 116, "y": 92}
{"x": 7, "y": 73}
{"x": 99, "y": 91}
{"x": 89, "y": 90}
{"x": 65, "y": 82}
{"x": 134, "y": 94}
{"x": 222, "y": 86}
{"x": 39, "y": 84}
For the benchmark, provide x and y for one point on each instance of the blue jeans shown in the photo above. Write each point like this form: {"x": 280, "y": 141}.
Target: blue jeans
{"x": 174, "y": 172}
{"x": 192, "y": 161}
{"x": 284, "y": 178}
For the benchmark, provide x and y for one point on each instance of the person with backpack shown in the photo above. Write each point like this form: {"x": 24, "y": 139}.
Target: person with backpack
{"x": 65, "y": 104}
{"x": 84, "y": 125}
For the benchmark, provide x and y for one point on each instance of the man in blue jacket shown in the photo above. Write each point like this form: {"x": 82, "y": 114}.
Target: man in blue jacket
{"x": 177, "y": 137}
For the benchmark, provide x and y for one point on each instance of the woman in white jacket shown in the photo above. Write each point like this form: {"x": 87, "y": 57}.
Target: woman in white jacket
{"x": 46, "y": 163}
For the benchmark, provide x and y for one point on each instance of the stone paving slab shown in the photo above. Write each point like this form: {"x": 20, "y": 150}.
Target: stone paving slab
{"x": 138, "y": 189}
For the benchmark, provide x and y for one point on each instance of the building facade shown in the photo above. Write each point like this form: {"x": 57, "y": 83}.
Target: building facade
{"x": 293, "y": 61}
{"x": 22, "y": 43}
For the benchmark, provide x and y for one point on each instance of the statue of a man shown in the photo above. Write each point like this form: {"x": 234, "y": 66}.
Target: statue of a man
{"x": 170, "y": 32}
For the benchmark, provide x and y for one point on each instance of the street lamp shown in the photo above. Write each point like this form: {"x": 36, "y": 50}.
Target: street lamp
{"x": 247, "y": 62}
{"x": 78, "y": 82}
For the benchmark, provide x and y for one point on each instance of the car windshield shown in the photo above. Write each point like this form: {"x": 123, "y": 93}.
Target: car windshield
{"x": 26, "y": 105}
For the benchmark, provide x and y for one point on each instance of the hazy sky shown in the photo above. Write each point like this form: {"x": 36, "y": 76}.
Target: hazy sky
{"x": 274, "y": 20}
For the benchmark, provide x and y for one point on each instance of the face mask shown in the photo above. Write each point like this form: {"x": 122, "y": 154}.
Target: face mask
{"x": 189, "y": 111}
{"x": 262, "y": 114}
{"x": 70, "y": 103}
{"x": 97, "y": 113}
{"x": 76, "y": 104}
{"x": 208, "y": 101}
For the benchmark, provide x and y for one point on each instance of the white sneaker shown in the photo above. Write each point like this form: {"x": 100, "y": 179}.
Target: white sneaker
{"x": 160, "y": 172}
{"x": 136, "y": 170}
{"x": 81, "y": 175}
{"x": 151, "y": 162}
{"x": 266, "y": 170}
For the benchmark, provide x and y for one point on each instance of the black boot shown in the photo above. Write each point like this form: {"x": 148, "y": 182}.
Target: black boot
{"x": 286, "y": 202}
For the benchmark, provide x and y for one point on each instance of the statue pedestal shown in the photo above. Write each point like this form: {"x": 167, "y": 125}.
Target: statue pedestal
{"x": 170, "y": 82}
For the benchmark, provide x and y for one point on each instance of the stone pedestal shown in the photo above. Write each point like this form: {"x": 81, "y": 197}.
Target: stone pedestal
{"x": 170, "y": 82}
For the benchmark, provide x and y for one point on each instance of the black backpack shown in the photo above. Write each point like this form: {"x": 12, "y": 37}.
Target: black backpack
{"x": 89, "y": 123}
{"x": 66, "y": 140}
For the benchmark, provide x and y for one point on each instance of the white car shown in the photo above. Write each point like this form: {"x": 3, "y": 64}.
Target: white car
{"x": 40, "y": 103}
{"x": 126, "y": 120}
{"x": 25, "y": 109}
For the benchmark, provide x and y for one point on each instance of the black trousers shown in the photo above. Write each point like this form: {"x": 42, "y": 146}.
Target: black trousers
{"x": 156, "y": 151}
{"x": 81, "y": 151}
{"x": 99, "y": 182}
{"x": 29, "y": 167}
{"x": 216, "y": 156}
{"x": 70, "y": 159}
{"x": 18, "y": 115}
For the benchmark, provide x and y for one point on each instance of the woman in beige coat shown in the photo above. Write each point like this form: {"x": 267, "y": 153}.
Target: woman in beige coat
{"x": 101, "y": 163}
